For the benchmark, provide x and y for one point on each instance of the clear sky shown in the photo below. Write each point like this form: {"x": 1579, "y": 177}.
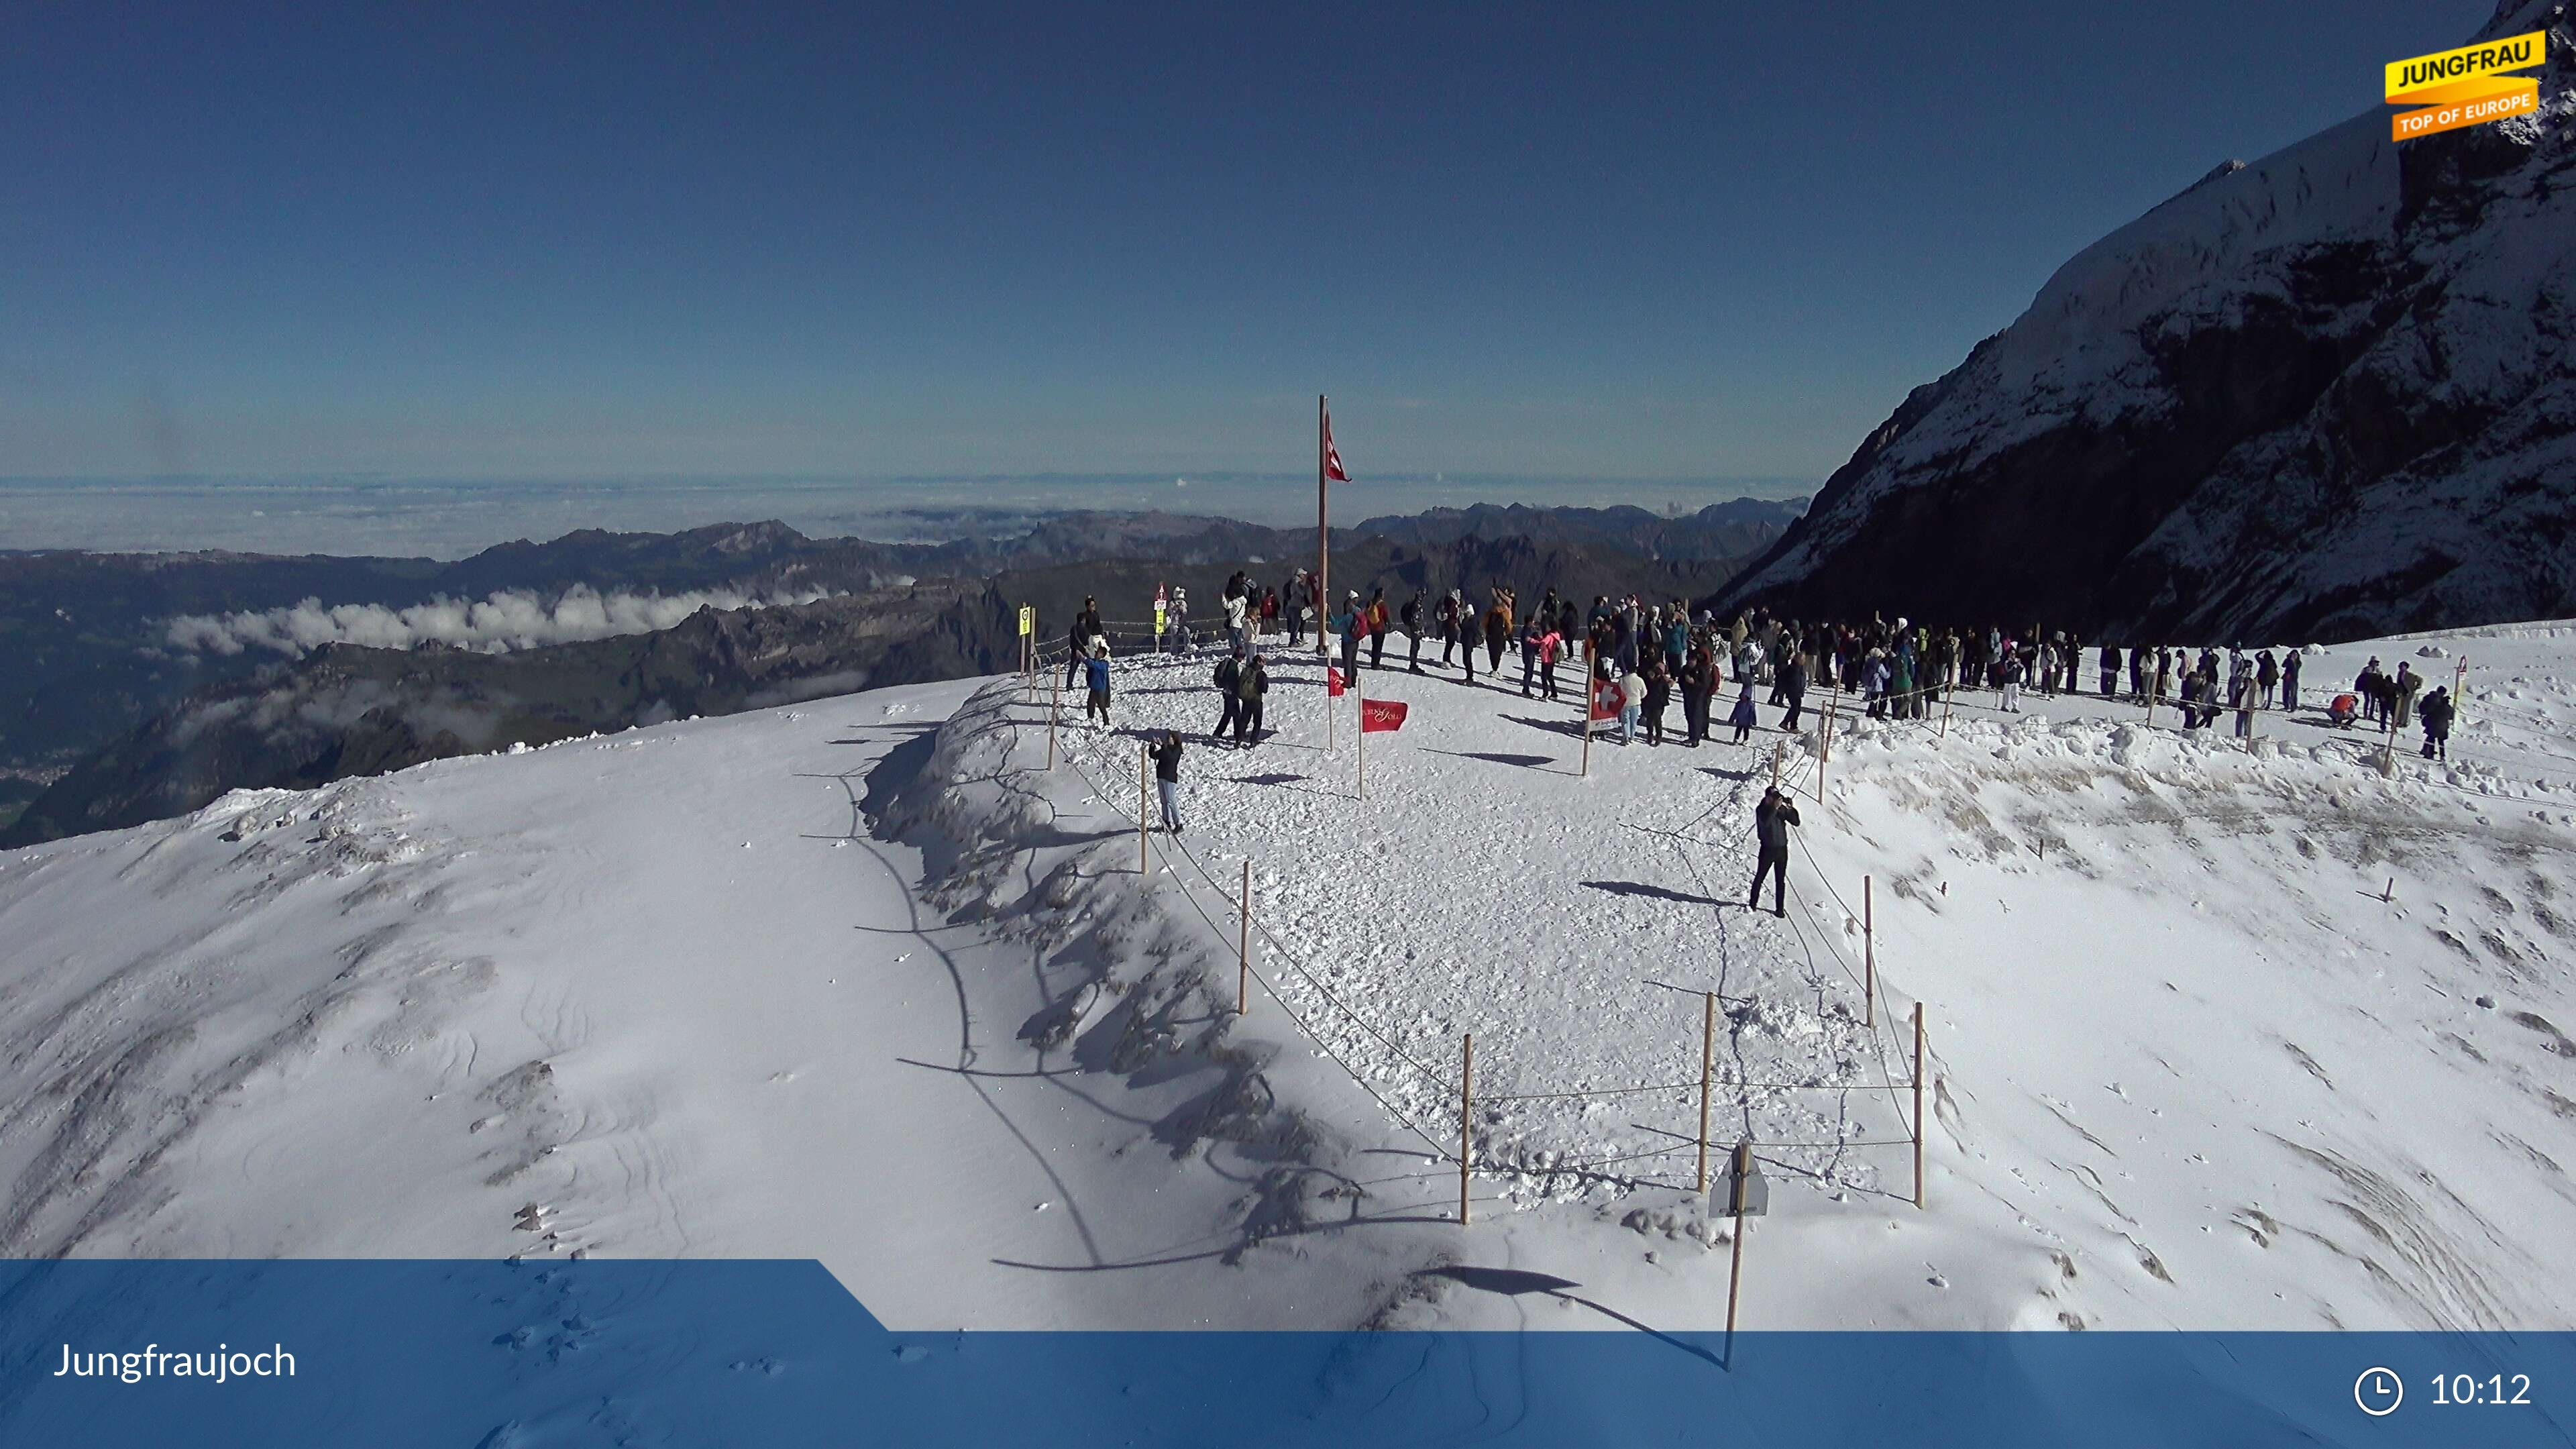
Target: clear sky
{"x": 548, "y": 240}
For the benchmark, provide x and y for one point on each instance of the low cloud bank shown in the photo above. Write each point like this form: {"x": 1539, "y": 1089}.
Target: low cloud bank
{"x": 510, "y": 619}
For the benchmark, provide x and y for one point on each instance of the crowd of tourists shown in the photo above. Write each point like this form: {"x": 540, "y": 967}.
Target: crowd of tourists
{"x": 1639, "y": 658}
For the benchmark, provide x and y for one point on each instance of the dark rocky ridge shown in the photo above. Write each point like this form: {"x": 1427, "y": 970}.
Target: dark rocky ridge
{"x": 2327, "y": 395}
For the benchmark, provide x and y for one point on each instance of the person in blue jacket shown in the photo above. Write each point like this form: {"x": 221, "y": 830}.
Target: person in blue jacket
{"x": 1096, "y": 670}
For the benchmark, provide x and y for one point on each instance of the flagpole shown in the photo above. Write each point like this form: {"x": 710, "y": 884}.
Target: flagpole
{"x": 1361, "y": 697}
{"x": 1323, "y": 533}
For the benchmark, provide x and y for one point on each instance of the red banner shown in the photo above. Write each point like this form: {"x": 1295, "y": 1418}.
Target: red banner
{"x": 1332, "y": 681}
{"x": 1382, "y": 714}
{"x": 1332, "y": 455}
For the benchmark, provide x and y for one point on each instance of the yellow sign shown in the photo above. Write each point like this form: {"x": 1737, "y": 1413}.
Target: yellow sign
{"x": 1028, "y": 620}
{"x": 2465, "y": 87}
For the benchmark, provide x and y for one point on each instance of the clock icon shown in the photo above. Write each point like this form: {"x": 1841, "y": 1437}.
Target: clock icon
{"x": 2378, "y": 1392}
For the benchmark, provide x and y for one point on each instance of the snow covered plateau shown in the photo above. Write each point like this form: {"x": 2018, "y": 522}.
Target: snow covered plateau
{"x": 2219, "y": 1036}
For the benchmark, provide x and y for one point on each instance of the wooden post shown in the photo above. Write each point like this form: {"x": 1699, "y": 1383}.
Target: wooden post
{"x": 1144, "y": 787}
{"x": 1361, "y": 700}
{"x": 1053, "y": 711}
{"x": 1466, "y": 1115}
{"x": 1946, "y": 689}
{"x": 1775, "y": 766}
{"x": 1243, "y": 948}
{"x": 2389, "y": 894}
{"x": 1825, "y": 756}
{"x": 1918, "y": 1105}
{"x": 1868, "y": 957}
{"x": 1735, "y": 1268}
{"x": 1586, "y": 718}
{"x": 1707, "y": 1061}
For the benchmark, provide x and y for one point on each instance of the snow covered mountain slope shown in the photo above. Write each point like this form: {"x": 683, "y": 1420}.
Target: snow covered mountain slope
{"x": 2328, "y": 394}
{"x": 865, "y": 980}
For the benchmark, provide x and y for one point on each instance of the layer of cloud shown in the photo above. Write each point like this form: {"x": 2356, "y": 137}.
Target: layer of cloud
{"x": 510, "y": 619}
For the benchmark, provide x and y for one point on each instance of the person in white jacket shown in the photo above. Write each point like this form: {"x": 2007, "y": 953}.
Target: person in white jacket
{"x": 1632, "y": 698}
{"x": 1237, "y": 615}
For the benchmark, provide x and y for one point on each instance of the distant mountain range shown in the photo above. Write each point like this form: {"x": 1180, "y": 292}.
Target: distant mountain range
{"x": 140, "y": 685}
{"x": 2328, "y": 395}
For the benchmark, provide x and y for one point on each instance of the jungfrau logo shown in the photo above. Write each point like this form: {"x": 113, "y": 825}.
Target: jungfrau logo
{"x": 2465, "y": 87}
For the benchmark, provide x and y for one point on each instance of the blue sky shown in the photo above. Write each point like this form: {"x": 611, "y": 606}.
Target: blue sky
{"x": 557, "y": 241}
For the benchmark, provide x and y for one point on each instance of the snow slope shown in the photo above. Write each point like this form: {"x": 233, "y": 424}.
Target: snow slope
{"x": 864, "y": 980}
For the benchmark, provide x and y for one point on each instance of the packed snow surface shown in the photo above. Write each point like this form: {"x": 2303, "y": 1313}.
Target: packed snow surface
{"x": 2267, "y": 1036}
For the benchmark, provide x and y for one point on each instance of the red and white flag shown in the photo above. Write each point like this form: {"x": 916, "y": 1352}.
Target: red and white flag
{"x": 1332, "y": 682}
{"x": 1607, "y": 698}
{"x": 1382, "y": 714}
{"x": 1332, "y": 455}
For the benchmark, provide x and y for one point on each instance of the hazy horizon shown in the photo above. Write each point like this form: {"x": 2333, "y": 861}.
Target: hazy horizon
{"x": 449, "y": 518}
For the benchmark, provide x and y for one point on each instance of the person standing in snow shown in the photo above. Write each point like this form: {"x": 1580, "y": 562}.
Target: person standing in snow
{"x": 2110, "y": 670}
{"x": 1229, "y": 676}
{"x": 1249, "y": 686}
{"x": 2404, "y": 688}
{"x": 2366, "y": 684}
{"x": 2290, "y": 681}
{"x": 1085, "y": 628}
{"x": 1347, "y": 627}
{"x": 2267, "y": 675}
{"x": 1659, "y": 693}
{"x": 2012, "y": 677}
{"x": 1632, "y": 700}
{"x": 1096, "y": 672}
{"x": 1167, "y": 778}
{"x": 1771, "y": 821}
{"x": 1413, "y": 632}
{"x": 2435, "y": 712}
{"x": 1699, "y": 687}
{"x": 1379, "y": 621}
{"x": 1498, "y": 630}
{"x": 1742, "y": 715}
{"x": 1793, "y": 689}
{"x": 1238, "y": 619}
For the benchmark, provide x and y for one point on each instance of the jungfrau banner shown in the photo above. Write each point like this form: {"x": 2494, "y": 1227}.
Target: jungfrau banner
{"x": 2465, "y": 87}
{"x": 1379, "y": 715}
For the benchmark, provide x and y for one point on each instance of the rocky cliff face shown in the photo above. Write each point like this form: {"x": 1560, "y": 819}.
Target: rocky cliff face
{"x": 2325, "y": 395}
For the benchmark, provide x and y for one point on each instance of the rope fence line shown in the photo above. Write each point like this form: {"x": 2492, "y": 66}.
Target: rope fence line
{"x": 1470, "y": 1158}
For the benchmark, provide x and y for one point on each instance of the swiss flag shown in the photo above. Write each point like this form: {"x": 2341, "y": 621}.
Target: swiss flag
{"x": 1606, "y": 699}
{"x": 1332, "y": 681}
{"x": 1332, "y": 455}
{"x": 1382, "y": 714}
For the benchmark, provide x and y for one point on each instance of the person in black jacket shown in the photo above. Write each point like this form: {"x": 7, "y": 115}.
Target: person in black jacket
{"x": 1413, "y": 632}
{"x": 1229, "y": 678}
{"x": 1167, "y": 778}
{"x": 1659, "y": 694}
{"x": 2435, "y": 712}
{"x": 1086, "y": 625}
{"x": 1792, "y": 680}
{"x": 1771, "y": 821}
{"x": 1249, "y": 686}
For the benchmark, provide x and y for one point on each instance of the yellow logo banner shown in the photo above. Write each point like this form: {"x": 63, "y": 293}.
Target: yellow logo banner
{"x": 2465, "y": 87}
